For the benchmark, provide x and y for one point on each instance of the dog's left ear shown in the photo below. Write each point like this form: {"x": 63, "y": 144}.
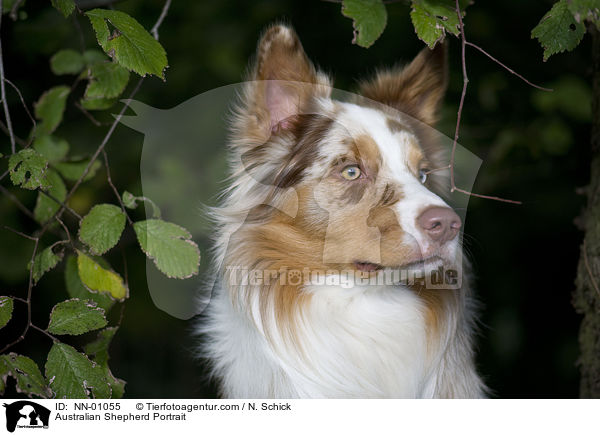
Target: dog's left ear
{"x": 416, "y": 89}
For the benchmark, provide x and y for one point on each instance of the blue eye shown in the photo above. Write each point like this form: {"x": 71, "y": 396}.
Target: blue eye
{"x": 423, "y": 175}
{"x": 351, "y": 172}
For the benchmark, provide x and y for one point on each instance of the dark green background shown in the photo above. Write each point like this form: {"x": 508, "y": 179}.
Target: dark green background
{"x": 534, "y": 148}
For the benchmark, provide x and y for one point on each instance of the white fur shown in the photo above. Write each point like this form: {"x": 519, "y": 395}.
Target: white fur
{"x": 363, "y": 342}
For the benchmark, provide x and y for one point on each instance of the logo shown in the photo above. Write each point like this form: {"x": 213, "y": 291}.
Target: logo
{"x": 26, "y": 414}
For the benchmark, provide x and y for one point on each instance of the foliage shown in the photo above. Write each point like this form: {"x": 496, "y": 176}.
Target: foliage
{"x": 46, "y": 164}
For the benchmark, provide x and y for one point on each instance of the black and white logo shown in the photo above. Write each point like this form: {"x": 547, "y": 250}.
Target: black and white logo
{"x": 24, "y": 414}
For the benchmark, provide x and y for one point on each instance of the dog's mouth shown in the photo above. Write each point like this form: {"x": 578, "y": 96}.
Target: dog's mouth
{"x": 366, "y": 266}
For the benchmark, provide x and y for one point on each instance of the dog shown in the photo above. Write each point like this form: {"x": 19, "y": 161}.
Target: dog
{"x": 336, "y": 189}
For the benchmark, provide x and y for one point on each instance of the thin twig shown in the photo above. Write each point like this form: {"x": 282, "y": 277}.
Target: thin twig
{"x": 43, "y": 331}
{"x": 161, "y": 18}
{"x": 89, "y": 115}
{"x": 19, "y": 233}
{"x": 17, "y": 139}
{"x": 507, "y": 68}
{"x": 114, "y": 189}
{"x": 18, "y": 203}
{"x": 13, "y": 10}
{"x": 23, "y": 103}
{"x": 463, "y": 94}
{"x": 64, "y": 205}
{"x": 3, "y": 93}
{"x": 29, "y": 289}
{"x": 589, "y": 270}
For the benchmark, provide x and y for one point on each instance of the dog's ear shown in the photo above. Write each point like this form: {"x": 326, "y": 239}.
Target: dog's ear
{"x": 285, "y": 80}
{"x": 416, "y": 89}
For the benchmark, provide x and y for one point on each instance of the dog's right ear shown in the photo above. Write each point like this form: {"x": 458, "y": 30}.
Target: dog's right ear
{"x": 284, "y": 81}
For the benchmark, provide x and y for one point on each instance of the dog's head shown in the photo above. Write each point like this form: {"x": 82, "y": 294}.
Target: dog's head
{"x": 363, "y": 173}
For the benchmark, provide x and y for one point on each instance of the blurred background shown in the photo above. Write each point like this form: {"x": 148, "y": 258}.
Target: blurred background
{"x": 534, "y": 146}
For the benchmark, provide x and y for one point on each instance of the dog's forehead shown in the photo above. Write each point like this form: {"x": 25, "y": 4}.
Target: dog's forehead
{"x": 396, "y": 143}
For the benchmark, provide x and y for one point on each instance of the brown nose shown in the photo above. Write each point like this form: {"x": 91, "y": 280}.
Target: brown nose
{"x": 441, "y": 224}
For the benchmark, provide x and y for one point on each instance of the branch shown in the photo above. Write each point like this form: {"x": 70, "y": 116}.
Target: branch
{"x": 3, "y": 93}
{"x": 463, "y": 94}
{"x": 589, "y": 270}
{"x": 114, "y": 189}
{"x": 507, "y": 68}
{"x": 161, "y": 18}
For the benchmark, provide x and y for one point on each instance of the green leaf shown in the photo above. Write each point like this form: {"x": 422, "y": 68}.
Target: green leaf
{"x": 45, "y": 261}
{"x": 129, "y": 200}
{"x": 369, "y": 20}
{"x": 76, "y": 289}
{"x": 45, "y": 207}
{"x": 27, "y": 374}
{"x": 98, "y": 279}
{"x": 170, "y": 246}
{"x": 93, "y": 56}
{"x": 52, "y": 148}
{"x": 98, "y": 351}
{"x": 73, "y": 170}
{"x": 128, "y": 42}
{"x": 433, "y": 18}
{"x": 50, "y": 109}
{"x": 6, "y": 309}
{"x": 71, "y": 375}
{"x": 102, "y": 227}
{"x": 558, "y": 31}
{"x": 76, "y": 317}
{"x": 66, "y": 7}
{"x": 108, "y": 80}
{"x": 28, "y": 169}
{"x": 67, "y": 62}
{"x": 585, "y": 10}
{"x": 98, "y": 103}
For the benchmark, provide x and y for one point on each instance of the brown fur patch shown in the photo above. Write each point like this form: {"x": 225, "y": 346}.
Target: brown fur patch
{"x": 416, "y": 89}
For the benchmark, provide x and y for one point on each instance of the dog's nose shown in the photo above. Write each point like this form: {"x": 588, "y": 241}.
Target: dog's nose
{"x": 441, "y": 224}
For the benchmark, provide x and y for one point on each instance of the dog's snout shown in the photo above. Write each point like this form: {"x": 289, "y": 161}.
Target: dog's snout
{"x": 440, "y": 224}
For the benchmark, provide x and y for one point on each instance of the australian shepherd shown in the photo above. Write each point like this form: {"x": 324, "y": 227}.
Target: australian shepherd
{"x": 327, "y": 237}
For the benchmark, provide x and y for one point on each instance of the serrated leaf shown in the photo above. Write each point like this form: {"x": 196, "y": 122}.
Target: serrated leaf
{"x": 76, "y": 317}
{"x": 369, "y": 20}
{"x": 102, "y": 227}
{"x": 129, "y": 200}
{"x": 558, "y": 30}
{"x": 97, "y": 278}
{"x": 170, "y": 246}
{"x": 52, "y": 148}
{"x": 128, "y": 42}
{"x": 49, "y": 109}
{"x": 108, "y": 80}
{"x": 433, "y": 18}
{"x": 45, "y": 207}
{"x": 585, "y": 10}
{"x": 93, "y": 56}
{"x": 45, "y": 261}
{"x": 98, "y": 103}
{"x": 98, "y": 351}
{"x": 6, "y": 309}
{"x": 67, "y": 62}
{"x": 27, "y": 374}
{"x": 74, "y": 170}
{"x": 66, "y": 7}
{"x": 28, "y": 169}
{"x": 76, "y": 289}
{"x": 71, "y": 375}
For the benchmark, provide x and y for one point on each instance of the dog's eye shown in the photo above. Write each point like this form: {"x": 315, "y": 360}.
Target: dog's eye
{"x": 351, "y": 172}
{"x": 423, "y": 175}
